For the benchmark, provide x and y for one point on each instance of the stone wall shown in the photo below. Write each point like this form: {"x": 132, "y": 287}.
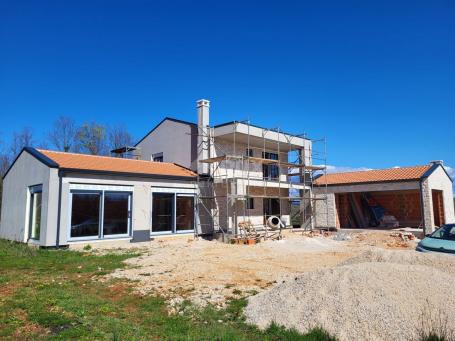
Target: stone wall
{"x": 325, "y": 211}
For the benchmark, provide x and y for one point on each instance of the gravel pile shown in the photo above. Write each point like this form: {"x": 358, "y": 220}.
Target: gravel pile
{"x": 443, "y": 262}
{"x": 379, "y": 295}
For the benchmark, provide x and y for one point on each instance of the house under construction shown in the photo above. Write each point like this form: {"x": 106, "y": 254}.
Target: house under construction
{"x": 246, "y": 174}
{"x": 234, "y": 180}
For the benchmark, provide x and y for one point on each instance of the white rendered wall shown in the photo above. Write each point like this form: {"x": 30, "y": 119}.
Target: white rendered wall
{"x": 438, "y": 180}
{"x": 177, "y": 142}
{"x": 27, "y": 171}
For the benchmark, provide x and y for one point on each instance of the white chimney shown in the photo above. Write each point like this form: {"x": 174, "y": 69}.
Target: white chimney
{"x": 203, "y": 106}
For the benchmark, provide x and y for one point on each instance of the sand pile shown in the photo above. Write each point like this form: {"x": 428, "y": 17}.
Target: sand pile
{"x": 378, "y": 295}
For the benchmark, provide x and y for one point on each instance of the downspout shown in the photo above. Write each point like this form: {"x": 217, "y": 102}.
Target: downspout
{"x": 59, "y": 209}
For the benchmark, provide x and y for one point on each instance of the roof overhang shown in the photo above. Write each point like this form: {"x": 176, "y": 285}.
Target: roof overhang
{"x": 244, "y": 133}
{"x": 65, "y": 171}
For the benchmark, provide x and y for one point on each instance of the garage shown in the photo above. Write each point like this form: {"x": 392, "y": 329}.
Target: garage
{"x": 417, "y": 197}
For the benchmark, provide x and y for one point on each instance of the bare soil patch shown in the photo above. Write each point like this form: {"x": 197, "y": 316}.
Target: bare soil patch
{"x": 210, "y": 272}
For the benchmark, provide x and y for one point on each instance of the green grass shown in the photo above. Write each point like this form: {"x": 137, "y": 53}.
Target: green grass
{"x": 50, "y": 294}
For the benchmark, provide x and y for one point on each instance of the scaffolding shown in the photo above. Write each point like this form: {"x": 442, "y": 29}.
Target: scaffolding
{"x": 274, "y": 166}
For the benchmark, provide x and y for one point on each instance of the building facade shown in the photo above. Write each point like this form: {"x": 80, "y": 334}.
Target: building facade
{"x": 246, "y": 173}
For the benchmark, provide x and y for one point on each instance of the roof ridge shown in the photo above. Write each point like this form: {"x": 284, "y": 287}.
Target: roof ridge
{"x": 104, "y": 156}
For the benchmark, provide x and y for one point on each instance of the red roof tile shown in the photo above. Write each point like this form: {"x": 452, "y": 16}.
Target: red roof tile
{"x": 113, "y": 164}
{"x": 378, "y": 175}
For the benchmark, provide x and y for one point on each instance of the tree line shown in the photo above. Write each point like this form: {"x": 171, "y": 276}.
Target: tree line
{"x": 67, "y": 136}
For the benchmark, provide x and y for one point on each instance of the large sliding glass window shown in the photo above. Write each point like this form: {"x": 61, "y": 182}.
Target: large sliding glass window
{"x": 85, "y": 215}
{"x": 116, "y": 213}
{"x": 185, "y": 213}
{"x": 99, "y": 214}
{"x": 36, "y": 196}
{"x": 162, "y": 212}
{"x": 172, "y": 213}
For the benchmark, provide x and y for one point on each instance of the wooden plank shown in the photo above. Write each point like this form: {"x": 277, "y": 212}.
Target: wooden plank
{"x": 213, "y": 159}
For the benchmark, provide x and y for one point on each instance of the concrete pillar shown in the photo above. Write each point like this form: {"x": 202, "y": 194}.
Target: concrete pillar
{"x": 427, "y": 207}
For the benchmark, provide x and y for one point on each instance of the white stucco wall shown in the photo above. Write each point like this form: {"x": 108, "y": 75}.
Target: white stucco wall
{"x": 27, "y": 171}
{"x": 438, "y": 180}
{"x": 177, "y": 142}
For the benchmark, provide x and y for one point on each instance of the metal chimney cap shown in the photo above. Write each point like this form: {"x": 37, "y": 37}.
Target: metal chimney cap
{"x": 437, "y": 162}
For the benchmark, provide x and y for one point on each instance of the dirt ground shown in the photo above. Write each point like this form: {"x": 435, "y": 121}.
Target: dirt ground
{"x": 210, "y": 272}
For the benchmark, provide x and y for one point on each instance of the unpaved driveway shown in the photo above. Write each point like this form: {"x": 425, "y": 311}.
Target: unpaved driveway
{"x": 209, "y": 271}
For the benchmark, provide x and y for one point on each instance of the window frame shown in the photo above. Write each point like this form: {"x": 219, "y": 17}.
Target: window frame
{"x": 101, "y": 235}
{"x": 174, "y": 213}
{"x": 267, "y": 169}
{"x": 32, "y": 191}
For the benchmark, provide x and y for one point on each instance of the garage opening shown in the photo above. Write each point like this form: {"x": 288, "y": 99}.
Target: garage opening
{"x": 387, "y": 209}
{"x": 438, "y": 207}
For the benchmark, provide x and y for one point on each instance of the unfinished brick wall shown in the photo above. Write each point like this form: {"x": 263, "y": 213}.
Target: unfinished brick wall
{"x": 343, "y": 209}
{"x": 404, "y": 205}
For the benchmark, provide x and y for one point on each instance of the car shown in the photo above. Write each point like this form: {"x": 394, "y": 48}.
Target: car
{"x": 441, "y": 240}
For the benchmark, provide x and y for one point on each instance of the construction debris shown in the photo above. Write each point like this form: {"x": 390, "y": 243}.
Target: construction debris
{"x": 250, "y": 234}
{"x": 405, "y": 236}
{"x": 342, "y": 236}
{"x": 316, "y": 233}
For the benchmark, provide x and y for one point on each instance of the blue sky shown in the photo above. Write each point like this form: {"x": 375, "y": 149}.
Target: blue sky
{"x": 376, "y": 78}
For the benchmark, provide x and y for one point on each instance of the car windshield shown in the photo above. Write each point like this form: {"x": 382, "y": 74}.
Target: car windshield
{"x": 444, "y": 232}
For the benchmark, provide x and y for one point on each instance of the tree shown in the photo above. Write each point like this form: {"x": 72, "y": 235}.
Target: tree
{"x": 21, "y": 139}
{"x": 4, "y": 164}
{"x": 119, "y": 137}
{"x": 91, "y": 139}
{"x": 63, "y": 134}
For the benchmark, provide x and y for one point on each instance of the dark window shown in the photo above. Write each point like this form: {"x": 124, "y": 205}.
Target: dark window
{"x": 271, "y": 207}
{"x": 162, "y": 212}
{"x": 116, "y": 213}
{"x": 270, "y": 172}
{"x": 85, "y": 215}
{"x": 185, "y": 213}
{"x": 157, "y": 157}
{"x": 35, "y": 211}
{"x": 250, "y": 203}
{"x": 249, "y": 152}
